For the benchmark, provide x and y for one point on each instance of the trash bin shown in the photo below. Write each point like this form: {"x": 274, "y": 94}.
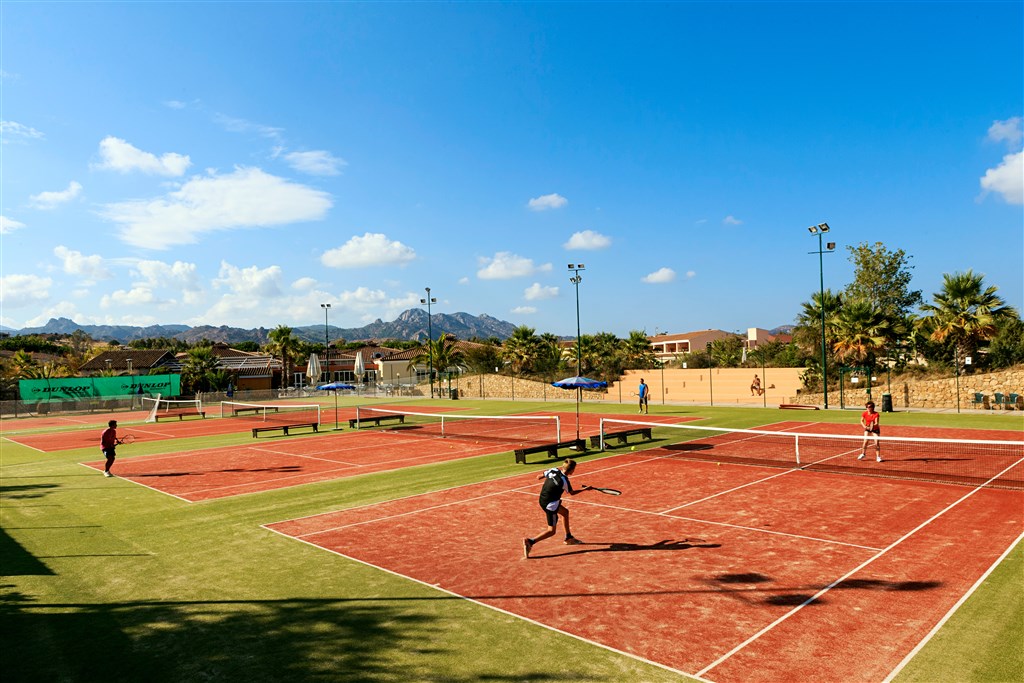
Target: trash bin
{"x": 887, "y": 403}
{"x": 454, "y": 393}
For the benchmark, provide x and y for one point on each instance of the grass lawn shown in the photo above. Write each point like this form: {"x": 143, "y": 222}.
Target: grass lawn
{"x": 104, "y": 580}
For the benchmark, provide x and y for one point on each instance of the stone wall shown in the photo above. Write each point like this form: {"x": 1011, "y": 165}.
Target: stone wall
{"x": 910, "y": 392}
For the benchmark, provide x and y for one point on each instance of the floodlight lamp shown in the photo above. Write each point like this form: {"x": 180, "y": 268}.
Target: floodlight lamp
{"x": 571, "y": 266}
{"x": 579, "y": 266}
{"x": 423, "y": 301}
{"x": 830, "y": 246}
{"x": 823, "y": 227}
{"x": 813, "y": 229}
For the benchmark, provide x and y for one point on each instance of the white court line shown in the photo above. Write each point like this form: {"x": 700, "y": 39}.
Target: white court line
{"x": 952, "y": 610}
{"x": 18, "y": 443}
{"x": 850, "y": 573}
{"x": 491, "y": 607}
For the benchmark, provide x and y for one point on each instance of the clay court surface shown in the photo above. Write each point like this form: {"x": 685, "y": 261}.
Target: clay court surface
{"x": 726, "y": 572}
{"x": 719, "y": 570}
{"x": 278, "y": 462}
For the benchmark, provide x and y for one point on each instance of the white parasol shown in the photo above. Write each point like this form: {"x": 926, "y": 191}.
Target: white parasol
{"x": 313, "y": 369}
{"x": 360, "y": 368}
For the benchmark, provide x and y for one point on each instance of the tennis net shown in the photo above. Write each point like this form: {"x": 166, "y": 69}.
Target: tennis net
{"x": 997, "y": 464}
{"x": 162, "y": 407}
{"x": 271, "y": 413}
{"x": 503, "y": 428}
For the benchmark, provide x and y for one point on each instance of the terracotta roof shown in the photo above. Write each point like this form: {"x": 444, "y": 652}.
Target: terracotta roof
{"x": 142, "y": 360}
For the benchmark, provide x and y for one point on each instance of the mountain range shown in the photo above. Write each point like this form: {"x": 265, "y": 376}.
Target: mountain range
{"x": 411, "y": 324}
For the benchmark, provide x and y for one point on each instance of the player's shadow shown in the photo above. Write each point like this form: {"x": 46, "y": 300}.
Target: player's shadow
{"x": 282, "y": 468}
{"x": 624, "y": 547}
{"x": 689, "y": 447}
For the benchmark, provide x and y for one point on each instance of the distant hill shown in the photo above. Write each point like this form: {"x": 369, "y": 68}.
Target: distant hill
{"x": 411, "y": 324}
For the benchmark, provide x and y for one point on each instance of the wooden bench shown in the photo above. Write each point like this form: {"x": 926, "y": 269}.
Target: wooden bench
{"x": 622, "y": 436}
{"x": 376, "y": 420}
{"x": 285, "y": 428}
{"x": 551, "y": 448}
{"x": 255, "y": 409}
{"x": 181, "y": 416}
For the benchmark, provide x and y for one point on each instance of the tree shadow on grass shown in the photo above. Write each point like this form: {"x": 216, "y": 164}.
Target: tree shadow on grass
{"x": 261, "y": 640}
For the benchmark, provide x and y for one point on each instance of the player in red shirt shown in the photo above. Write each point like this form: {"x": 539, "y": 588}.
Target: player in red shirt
{"x": 108, "y": 442}
{"x": 869, "y": 420}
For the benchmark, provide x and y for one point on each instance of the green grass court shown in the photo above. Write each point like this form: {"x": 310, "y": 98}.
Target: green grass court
{"x": 107, "y": 580}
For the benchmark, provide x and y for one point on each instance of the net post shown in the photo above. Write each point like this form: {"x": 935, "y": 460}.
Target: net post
{"x": 796, "y": 441}
{"x": 357, "y": 417}
{"x": 442, "y": 427}
{"x": 602, "y": 434}
{"x": 558, "y": 428}
{"x": 156, "y": 407}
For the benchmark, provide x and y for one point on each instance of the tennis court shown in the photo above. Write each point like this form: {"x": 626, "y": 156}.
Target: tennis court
{"x": 728, "y": 572}
{"x": 268, "y": 464}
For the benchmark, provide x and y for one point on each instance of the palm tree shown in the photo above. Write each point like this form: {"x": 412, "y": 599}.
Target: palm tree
{"x": 443, "y": 352}
{"x": 197, "y": 372}
{"x": 520, "y": 350}
{"x": 549, "y": 355}
{"x": 965, "y": 313}
{"x": 861, "y": 331}
{"x": 808, "y": 331}
{"x": 284, "y": 345}
{"x": 637, "y": 352}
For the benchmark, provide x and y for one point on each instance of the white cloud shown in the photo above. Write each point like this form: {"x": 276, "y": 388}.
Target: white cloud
{"x": 9, "y": 225}
{"x": 537, "y": 292}
{"x": 506, "y": 265}
{"x": 139, "y": 295}
{"x": 524, "y": 310}
{"x": 730, "y": 220}
{"x": 118, "y": 155}
{"x": 660, "y": 276}
{"x": 304, "y": 284}
{"x": 18, "y": 291}
{"x": 548, "y": 201}
{"x": 253, "y": 282}
{"x": 175, "y": 104}
{"x": 1007, "y": 179}
{"x": 1010, "y": 131}
{"x": 315, "y": 163}
{"x": 178, "y": 277}
{"x": 12, "y": 131}
{"x": 690, "y": 274}
{"x": 235, "y": 125}
{"x": 588, "y": 239}
{"x": 370, "y": 249}
{"x": 463, "y": 280}
{"x": 50, "y": 200}
{"x": 246, "y": 198}
{"x": 90, "y": 268}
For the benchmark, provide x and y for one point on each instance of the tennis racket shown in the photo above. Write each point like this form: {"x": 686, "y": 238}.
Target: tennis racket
{"x": 606, "y": 491}
{"x": 127, "y": 439}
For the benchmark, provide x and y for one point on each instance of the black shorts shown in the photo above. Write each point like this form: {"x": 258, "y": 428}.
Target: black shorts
{"x": 109, "y": 453}
{"x": 552, "y": 515}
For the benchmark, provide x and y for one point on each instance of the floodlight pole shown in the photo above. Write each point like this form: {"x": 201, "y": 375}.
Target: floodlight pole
{"x": 819, "y": 230}
{"x": 576, "y": 280}
{"x": 711, "y": 385}
{"x": 327, "y": 343}
{"x": 430, "y": 340}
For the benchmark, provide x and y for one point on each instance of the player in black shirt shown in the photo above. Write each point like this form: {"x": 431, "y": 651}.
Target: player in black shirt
{"x": 556, "y": 482}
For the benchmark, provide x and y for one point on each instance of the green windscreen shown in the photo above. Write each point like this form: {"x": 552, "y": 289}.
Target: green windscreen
{"x": 76, "y": 388}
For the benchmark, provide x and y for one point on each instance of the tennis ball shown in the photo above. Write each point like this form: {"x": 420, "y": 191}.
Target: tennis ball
{"x": 632, "y": 448}
{"x": 719, "y": 464}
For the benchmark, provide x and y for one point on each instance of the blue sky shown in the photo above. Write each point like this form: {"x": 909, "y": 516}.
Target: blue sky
{"x": 242, "y": 163}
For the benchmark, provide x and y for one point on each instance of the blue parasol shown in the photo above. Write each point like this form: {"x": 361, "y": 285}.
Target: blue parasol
{"x": 335, "y": 387}
{"x": 579, "y": 383}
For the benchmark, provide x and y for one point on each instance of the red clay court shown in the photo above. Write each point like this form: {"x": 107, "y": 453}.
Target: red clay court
{"x": 727, "y": 572}
{"x": 271, "y": 463}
